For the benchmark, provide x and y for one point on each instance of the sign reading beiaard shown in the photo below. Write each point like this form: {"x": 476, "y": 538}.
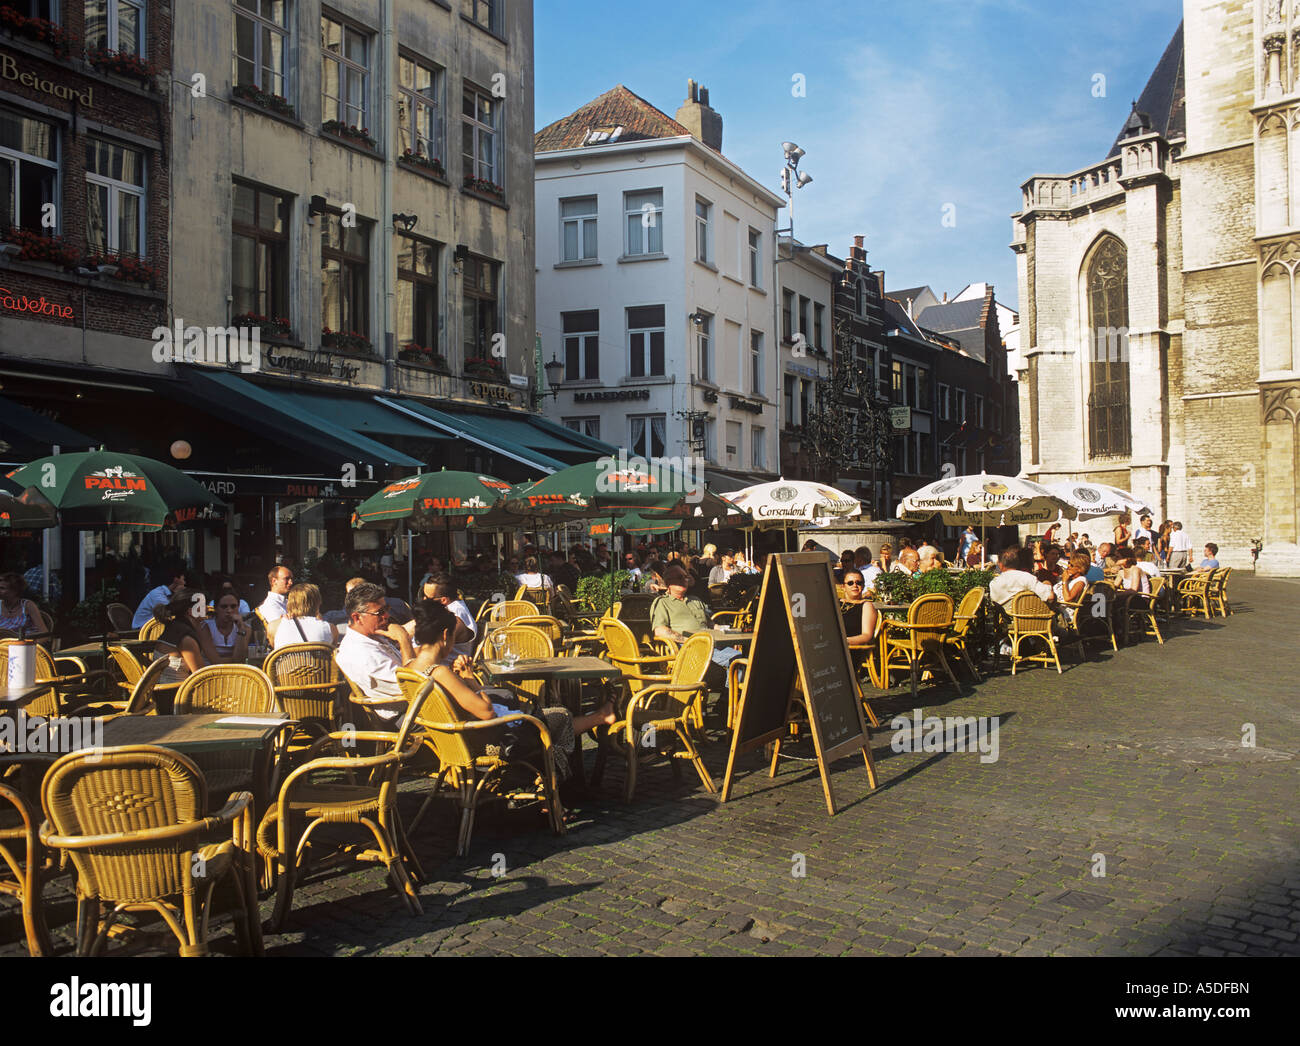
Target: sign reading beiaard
{"x": 11, "y": 70}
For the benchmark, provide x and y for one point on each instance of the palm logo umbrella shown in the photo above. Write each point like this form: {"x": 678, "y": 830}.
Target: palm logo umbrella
{"x": 1094, "y": 500}
{"x": 105, "y": 489}
{"x": 430, "y": 496}
{"x": 24, "y": 508}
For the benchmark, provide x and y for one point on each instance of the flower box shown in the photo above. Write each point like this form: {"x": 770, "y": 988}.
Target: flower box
{"x": 130, "y": 268}
{"x": 264, "y": 100}
{"x": 359, "y": 135}
{"x": 123, "y": 64}
{"x": 35, "y": 247}
{"x": 484, "y": 368}
{"x": 487, "y": 188}
{"x": 424, "y": 356}
{"x": 38, "y": 29}
{"x": 429, "y": 163}
{"x": 278, "y": 327}
{"x": 345, "y": 341}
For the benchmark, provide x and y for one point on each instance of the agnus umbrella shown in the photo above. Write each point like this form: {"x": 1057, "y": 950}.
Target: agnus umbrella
{"x": 982, "y": 500}
{"x": 1093, "y": 500}
{"x": 105, "y": 489}
{"x": 24, "y": 508}
{"x": 430, "y": 497}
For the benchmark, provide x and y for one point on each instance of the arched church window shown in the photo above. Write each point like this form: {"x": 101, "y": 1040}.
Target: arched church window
{"x": 1108, "y": 397}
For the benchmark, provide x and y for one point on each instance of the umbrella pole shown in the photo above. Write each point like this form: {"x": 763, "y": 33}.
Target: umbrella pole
{"x": 410, "y": 566}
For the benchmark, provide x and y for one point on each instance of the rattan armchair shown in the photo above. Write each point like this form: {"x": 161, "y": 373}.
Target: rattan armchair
{"x": 134, "y": 821}
{"x": 622, "y": 649}
{"x": 1194, "y": 595}
{"x": 308, "y": 686}
{"x": 344, "y": 789}
{"x": 741, "y": 619}
{"x": 671, "y": 709}
{"x": 540, "y": 596}
{"x": 523, "y": 641}
{"x": 69, "y": 675}
{"x": 228, "y": 690}
{"x": 119, "y": 617}
{"x": 474, "y": 758}
{"x": 907, "y": 645}
{"x": 1217, "y": 591}
{"x": 1141, "y": 610}
{"x": 22, "y": 865}
{"x": 1031, "y": 619}
{"x": 507, "y": 609}
{"x": 965, "y": 617}
{"x": 150, "y": 630}
{"x": 579, "y": 613}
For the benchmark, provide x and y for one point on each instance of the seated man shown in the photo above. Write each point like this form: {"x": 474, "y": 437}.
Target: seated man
{"x": 1013, "y": 579}
{"x": 909, "y": 562}
{"x": 159, "y": 596}
{"x": 928, "y": 558}
{"x": 372, "y": 650}
{"x": 674, "y": 614}
{"x": 1211, "y": 560}
{"x": 280, "y": 580}
{"x": 443, "y": 590}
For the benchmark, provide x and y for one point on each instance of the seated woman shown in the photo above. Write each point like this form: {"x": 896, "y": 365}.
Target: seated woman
{"x": 435, "y": 628}
{"x": 1131, "y": 583}
{"x": 861, "y": 622}
{"x": 223, "y": 638}
{"x": 532, "y": 577}
{"x": 845, "y": 566}
{"x": 975, "y": 557}
{"x": 1073, "y": 583}
{"x": 17, "y": 614}
{"x": 302, "y": 622}
{"x": 181, "y": 617}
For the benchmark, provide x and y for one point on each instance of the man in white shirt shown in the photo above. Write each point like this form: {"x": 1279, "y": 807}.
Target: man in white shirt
{"x": 1012, "y": 580}
{"x": 274, "y": 607}
{"x": 158, "y": 596}
{"x": 443, "y": 590}
{"x": 1180, "y": 547}
{"x": 1144, "y": 529}
{"x": 372, "y": 651}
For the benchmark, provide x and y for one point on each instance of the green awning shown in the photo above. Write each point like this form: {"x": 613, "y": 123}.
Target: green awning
{"x": 280, "y": 415}
{"x": 361, "y": 415}
{"x": 484, "y": 430}
{"x": 27, "y": 431}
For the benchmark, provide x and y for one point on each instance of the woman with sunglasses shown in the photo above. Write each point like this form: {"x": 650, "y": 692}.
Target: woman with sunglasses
{"x": 861, "y": 622}
{"x": 223, "y": 638}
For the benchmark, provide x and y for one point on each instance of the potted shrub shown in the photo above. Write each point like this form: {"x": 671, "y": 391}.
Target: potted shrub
{"x": 279, "y": 327}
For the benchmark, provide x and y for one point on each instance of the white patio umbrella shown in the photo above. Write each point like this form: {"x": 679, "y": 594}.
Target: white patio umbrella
{"x": 1093, "y": 500}
{"x": 984, "y": 500}
{"x": 785, "y": 502}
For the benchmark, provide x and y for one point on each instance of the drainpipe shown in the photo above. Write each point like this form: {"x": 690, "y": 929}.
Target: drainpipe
{"x": 388, "y": 67}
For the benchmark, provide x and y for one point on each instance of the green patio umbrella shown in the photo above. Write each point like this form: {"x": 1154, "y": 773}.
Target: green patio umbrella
{"x": 24, "y": 508}
{"x": 103, "y": 488}
{"x": 633, "y": 523}
{"x": 430, "y": 496}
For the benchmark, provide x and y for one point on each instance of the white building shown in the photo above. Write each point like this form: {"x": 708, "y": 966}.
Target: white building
{"x": 656, "y": 285}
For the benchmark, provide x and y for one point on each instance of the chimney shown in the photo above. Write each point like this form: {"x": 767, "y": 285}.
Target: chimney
{"x": 698, "y": 117}
{"x": 945, "y": 298}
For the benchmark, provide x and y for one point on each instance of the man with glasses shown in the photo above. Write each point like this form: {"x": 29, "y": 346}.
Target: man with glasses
{"x": 372, "y": 650}
{"x": 632, "y": 565}
{"x": 275, "y": 606}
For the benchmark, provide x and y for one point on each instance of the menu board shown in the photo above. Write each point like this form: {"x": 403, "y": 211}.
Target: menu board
{"x": 800, "y": 646}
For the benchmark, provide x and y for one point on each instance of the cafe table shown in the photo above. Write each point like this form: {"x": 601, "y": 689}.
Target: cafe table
{"x": 723, "y": 637}
{"x": 14, "y": 698}
{"x": 576, "y": 670}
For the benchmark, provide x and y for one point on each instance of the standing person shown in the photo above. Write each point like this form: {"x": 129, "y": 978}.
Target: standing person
{"x": 968, "y": 538}
{"x": 302, "y": 622}
{"x": 223, "y": 638}
{"x": 1162, "y": 542}
{"x": 372, "y": 650}
{"x": 279, "y": 580}
{"x": 1144, "y": 530}
{"x": 1122, "y": 531}
{"x": 159, "y": 596}
{"x": 181, "y": 617}
{"x": 16, "y": 613}
{"x": 1180, "y": 547}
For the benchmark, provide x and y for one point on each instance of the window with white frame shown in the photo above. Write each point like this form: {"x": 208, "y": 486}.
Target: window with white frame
{"x": 644, "y": 212}
{"x": 345, "y": 75}
{"x": 645, "y": 341}
{"x": 578, "y": 229}
{"x": 756, "y": 362}
{"x": 262, "y": 46}
{"x": 115, "y": 198}
{"x": 29, "y": 170}
{"x": 960, "y": 414}
{"x": 979, "y": 411}
{"x": 115, "y": 25}
{"x": 703, "y": 231}
{"x": 480, "y": 132}
{"x": 819, "y": 322}
{"x": 758, "y": 439}
{"x": 945, "y": 409}
{"x": 704, "y": 341}
{"x": 419, "y": 109}
{"x": 581, "y": 344}
{"x": 647, "y": 435}
{"x": 587, "y": 426}
{"x": 755, "y": 258}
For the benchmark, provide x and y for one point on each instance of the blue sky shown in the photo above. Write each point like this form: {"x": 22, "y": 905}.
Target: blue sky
{"x": 910, "y": 105}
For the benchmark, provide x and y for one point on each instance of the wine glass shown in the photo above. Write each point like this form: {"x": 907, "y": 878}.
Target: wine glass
{"x": 499, "y": 645}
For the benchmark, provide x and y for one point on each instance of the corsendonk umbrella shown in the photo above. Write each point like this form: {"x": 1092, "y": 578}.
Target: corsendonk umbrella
{"x": 105, "y": 489}
{"x": 1094, "y": 500}
{"x": 983, "y": 500}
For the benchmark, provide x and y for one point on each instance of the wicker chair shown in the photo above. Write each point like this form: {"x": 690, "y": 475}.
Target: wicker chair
{"x": 22, "y": 855}
{"x": 1142, "y": 610}
{"x": 1194, "y": 595}
{"x": 924, "y": 635}
{"x": 507, "y": 609}
{"x": 327, "y": 790}
{"x": 150, "y": 630}
{"x": 539, "y": 596}
{"x": 579, "y": 613}
{"x": 231, "y": 690}
{"x": 523, "y": 641}
{"x": 308, "y": 686}
{"x": 128, "y": 665}
{"x": 134, "y": 821}
{"x": 473, "y": 762}
{"x": 145, "y": 698}
{"x": 1217, "y": 591}
{"x": 1094, "y": 613}
{"x": 621, "y": 648}
{"x": 553, "y": 628}
{"x": 1031, "y": 618}
{"x": 119, "y": 617}
{"x": 667, "y": 708}
{"x": 967, "y": 611}
{"x": 742, "y": 619}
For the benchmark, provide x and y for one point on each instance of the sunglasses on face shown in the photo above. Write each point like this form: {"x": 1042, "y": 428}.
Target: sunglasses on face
{"x": 374, "y": 613}
{"x": 855, "y": 584}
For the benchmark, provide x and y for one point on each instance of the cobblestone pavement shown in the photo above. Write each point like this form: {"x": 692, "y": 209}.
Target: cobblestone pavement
{"x": 1135, "y": 757}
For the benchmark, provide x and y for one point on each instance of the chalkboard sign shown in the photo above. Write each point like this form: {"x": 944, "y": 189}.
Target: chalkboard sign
{"x": 800, "y": 645}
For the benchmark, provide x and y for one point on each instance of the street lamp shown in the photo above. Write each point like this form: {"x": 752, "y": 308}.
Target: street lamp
{"x": 554, "y": 379}
{"x": 792, "y": 178}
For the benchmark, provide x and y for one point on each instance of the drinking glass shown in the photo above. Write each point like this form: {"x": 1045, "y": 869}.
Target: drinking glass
{"x": 499, "y": 645}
